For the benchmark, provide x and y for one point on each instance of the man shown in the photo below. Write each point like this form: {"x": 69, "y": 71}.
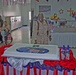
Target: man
{"x": 1, "y": 21}
{"x": 41, "y": 30}
{"x": 6, "y": 31}
{"x": 1, "y": 38}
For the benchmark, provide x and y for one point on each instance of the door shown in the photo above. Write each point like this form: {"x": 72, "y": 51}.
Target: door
{"x": 15, "y": 22}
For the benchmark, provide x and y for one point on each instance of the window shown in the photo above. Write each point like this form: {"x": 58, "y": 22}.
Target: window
{"x": 29, "y": 15}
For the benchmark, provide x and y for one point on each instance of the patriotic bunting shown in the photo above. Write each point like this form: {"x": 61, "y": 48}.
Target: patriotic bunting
{"x": 58, "y": 0}
{"x": 24, "y": 1}
{"x": 47, "y": 0}
{"x": 5, "y": 70}
{"x": 10, "y": 2}
{"x": 13, "y": 2}
{"x": 37, "y": 0}
{"x": 6, "y": 2}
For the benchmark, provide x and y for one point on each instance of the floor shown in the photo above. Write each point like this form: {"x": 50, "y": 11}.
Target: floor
{"x": 21, "y": 35}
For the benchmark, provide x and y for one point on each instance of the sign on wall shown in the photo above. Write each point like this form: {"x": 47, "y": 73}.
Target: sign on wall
{"x": 44, "y": 8}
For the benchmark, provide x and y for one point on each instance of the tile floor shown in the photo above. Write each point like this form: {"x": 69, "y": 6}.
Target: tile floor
{"x": 21, "y": 35}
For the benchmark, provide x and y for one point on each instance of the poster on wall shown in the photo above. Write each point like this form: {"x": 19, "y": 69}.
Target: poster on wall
{"x": 45, "y": 9}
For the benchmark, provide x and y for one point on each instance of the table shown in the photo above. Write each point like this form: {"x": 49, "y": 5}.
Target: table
{"x": 33, "y": 51}
{"x": 51, "y": 69}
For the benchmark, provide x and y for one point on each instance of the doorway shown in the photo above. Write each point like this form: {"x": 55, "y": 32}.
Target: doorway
{"x": 13, "y": 21}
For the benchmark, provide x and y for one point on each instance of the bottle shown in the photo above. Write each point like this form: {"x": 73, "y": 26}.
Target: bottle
{"x": 63, "y": 53}
{"x": 67, "y": 53}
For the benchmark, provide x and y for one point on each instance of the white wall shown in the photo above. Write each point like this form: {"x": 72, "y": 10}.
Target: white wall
{"x": 55, "y": 7}
{"x": 35, "y": 5}
{"x": 1, "y": 8}
{"x": 12, "y": 10}
{"x": 25, "y": 13}
{"x": 16, "y": 10}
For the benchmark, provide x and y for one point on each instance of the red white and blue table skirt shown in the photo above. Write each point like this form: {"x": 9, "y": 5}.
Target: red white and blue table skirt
{"x": 48, "y": 67}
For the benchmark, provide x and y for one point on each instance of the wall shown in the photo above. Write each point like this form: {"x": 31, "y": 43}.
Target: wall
{"x": 25, "y": 13}
{"x": 35, "y": 5}
{"x": 16, "y": 10}
{"x": 56, "y": 7}
{"x": 62, "y": 8}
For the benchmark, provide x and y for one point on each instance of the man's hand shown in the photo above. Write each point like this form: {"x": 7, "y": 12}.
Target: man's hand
{"x": 35, "y": 42}
{"x": 50, "y": 37}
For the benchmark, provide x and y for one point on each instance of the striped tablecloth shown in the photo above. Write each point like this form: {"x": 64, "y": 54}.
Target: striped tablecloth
{"x": 51, "y": 69}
